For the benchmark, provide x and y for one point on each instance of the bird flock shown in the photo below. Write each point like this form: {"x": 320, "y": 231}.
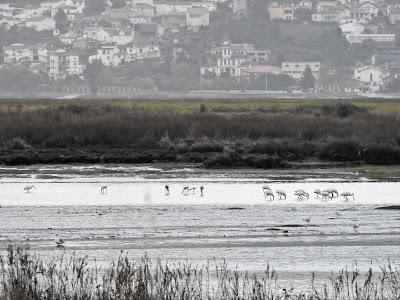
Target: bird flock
{"x": 327, "y": 194}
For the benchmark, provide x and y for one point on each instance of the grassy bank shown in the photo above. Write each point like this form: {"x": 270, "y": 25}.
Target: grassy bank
{"x": 26, "y": 277}
{"x": 215, "y": 133}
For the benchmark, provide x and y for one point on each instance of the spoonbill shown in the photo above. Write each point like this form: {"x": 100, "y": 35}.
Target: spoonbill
{"x": 333, "y": 193}
{"x": 28, "y": 188}
{"x": 281, "y": 194}
{"x": 270, "y": 194}
{"x": 346, "y": 195}
{"x": 104, "y": 189}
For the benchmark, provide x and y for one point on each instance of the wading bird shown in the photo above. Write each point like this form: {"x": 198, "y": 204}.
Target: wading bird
{"x": 201, "y": 190}
{"x": 307, "y": 220}
{"x": 301, "y": 194}
{"x": 104, "y": 189}
{"x": 167, "y": 189}
{"x": 59, "y": 242}
{"x": 317, "y": 192}
{"x": 266, "y": 189}
{"x": 270, "y": 194}
{"x": 187, "y": 189}
{"x": 28, "y": 188}
{"x": 325, "y": 195}
{"x": 281, "y": 194}
{"x": 333, "y": 193}
{"x": 346, "y": 195}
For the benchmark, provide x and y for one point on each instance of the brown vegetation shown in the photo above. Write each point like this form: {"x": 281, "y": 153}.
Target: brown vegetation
{"x": 218, "y": 134}
{"x": 27, "y": 277}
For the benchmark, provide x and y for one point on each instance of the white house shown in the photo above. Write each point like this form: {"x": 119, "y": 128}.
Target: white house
{"x": 394, "y": 14}
{"x": 109, "y": 55}
{"x": 352, "y": 28}
{"x": 233, "y": 59}
{"x": 138, "y": 52}
{"x": 372, "y": 75}
{"x": 41, "y": 23}
{"x": 142, "y": 9}
{"x": 30, "y": 12}
{"x": 23, "y": 53}
{"x": 61, "y": 64}
{"x": 379, "y": 38}
{"x": 197, "y": 16}
{"x": 296, "y": 69}
{"x": 239, "y": 6}
{"x": 332, "y": 16}
{"x": 163, "y": 8}
{"x": 96, "y": 33}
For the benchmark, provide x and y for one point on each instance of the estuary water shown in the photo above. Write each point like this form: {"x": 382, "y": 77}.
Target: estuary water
{"x": 231, "y": 221}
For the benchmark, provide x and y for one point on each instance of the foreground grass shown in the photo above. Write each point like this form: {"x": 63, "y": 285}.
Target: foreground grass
{"x": 216, "y": 133}
{"x": 26, "y": 277}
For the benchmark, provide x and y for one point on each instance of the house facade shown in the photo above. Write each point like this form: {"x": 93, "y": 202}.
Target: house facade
{"x": 296, "y": 69}
{"x": 281, "y": 12}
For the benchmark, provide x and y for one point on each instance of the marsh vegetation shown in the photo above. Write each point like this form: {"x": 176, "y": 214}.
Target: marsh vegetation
{"x": 26, "y": 276}
{"x": 253, "y": 133}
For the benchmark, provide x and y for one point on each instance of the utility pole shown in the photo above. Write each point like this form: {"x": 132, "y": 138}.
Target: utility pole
{"x": 266, "y": 82}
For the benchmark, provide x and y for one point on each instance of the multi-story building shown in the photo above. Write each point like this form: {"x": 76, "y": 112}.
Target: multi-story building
{"x": 16, "y": 53}
{"x": 296, "y": 69}
{"x": 112, "y": 55}
{"x": 233, "y": 59}
{"x": 280, "y": 12}
{"x": 379, "y": 38}
{"x": 61, "y": 64}
{"x": 197, "y": 16}
{"x": 41, "y": 23}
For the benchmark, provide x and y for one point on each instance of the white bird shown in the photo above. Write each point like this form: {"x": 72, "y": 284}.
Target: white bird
{"x": 266, "y": 189}
{"x": 269, "y": 194}
{"x": 104, "y": 189}
{"x": 301, "y": 194}
{"x": 59, "y": 242}
{"x": 325, "y": 195}
{"x": 281, "y": 194}
{"x": 28, "y": 188}
{"x": 317, "y": 192}
{"x": 187, "y": 189}
{"x": 346, "y": 195}
{"x": 333, "y": 193}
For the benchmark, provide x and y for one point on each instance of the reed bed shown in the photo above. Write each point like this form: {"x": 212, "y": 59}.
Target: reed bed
{"x": 215, "y": 133}
{"x": 24, "y": 276}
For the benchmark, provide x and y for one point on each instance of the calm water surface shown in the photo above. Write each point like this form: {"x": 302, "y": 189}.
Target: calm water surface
{"x": 231, "y": 221}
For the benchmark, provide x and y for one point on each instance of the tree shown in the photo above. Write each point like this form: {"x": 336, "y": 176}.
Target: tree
{"x": 94, "y": 7}
{"x": 307, "y": 81}
{"x": 62, "y": 22}
{"x": 92, "y": 71}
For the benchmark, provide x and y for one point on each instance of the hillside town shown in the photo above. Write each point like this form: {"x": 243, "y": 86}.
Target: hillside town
{"x": 145, "y": 47}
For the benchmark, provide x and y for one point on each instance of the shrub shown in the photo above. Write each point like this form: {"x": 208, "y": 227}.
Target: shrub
{"x": 17, "y": 144}
{"x": 207, "y": 145}
{"x": 346, "y": 150}
{"x": 382, "y": 155}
